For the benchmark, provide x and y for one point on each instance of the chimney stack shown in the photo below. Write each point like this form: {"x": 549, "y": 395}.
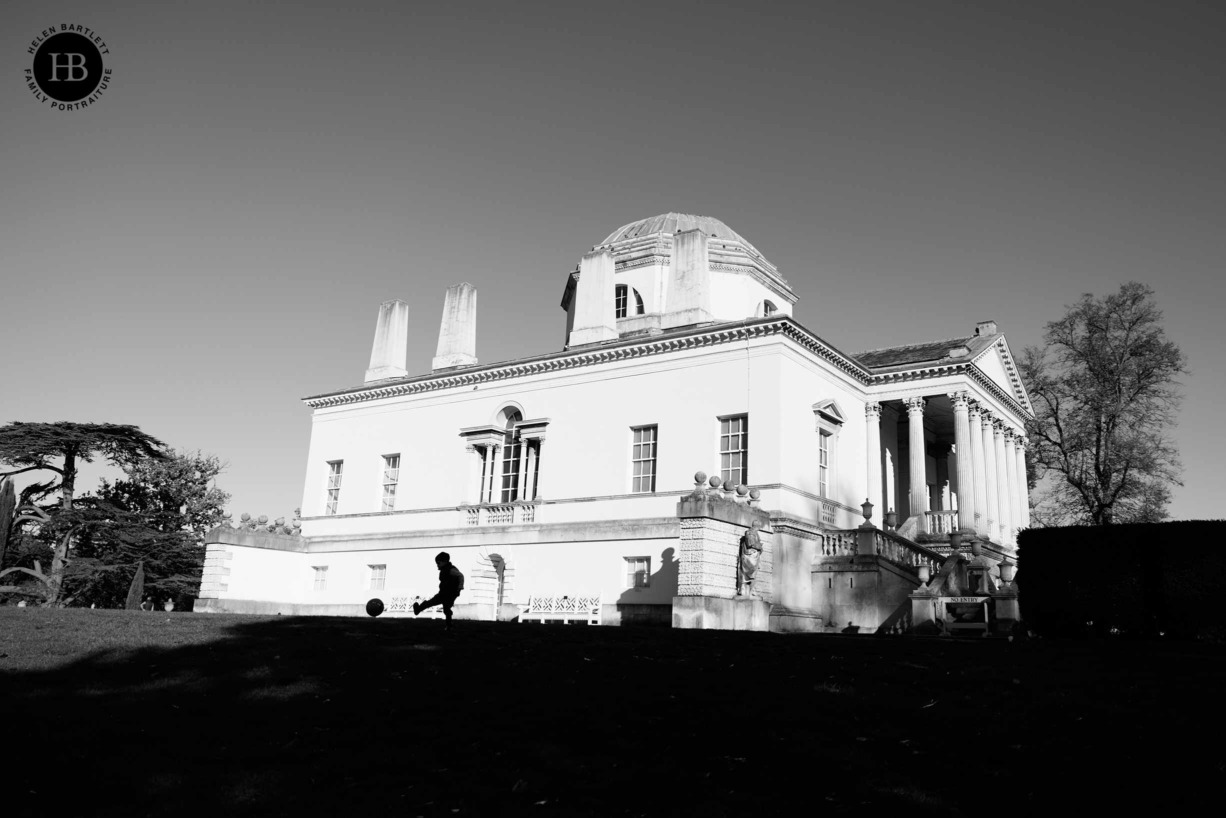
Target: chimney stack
{"x": 457, "y": 334}
{"x": 594, "y": 315}
{"x": 390, "y": 352}
{"x": 985, "y": 328}
{"x": 688, "y": 299}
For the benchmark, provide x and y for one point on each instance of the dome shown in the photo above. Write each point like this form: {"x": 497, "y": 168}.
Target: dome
{"x": 677, "y": 223}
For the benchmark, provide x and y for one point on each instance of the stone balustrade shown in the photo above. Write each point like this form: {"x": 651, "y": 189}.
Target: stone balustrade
{"x": 498, "y": 514}
{"x": 940, "y": 522}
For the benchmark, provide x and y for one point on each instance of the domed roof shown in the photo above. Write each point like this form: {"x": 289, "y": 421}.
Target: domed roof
{"x": 677, "y": 223}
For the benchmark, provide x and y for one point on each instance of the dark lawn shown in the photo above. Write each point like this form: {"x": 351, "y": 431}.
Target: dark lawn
{"x": 133, "y": 714}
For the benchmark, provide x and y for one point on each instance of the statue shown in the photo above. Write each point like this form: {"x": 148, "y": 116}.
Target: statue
{"x": 750, "y": 556}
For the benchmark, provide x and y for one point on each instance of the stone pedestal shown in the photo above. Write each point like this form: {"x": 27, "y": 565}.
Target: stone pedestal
{"x": 716, "y": 613}
{"x": 713, "y": 520}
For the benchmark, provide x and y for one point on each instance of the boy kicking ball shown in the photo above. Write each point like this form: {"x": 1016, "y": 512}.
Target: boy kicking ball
{"x": 450, "y": 583}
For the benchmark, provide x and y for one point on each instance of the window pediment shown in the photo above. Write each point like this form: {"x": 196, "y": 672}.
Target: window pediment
{"x": 829, "y": 413}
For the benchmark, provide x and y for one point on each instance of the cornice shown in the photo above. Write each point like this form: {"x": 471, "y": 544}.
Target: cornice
{"x": 715, "y": 335}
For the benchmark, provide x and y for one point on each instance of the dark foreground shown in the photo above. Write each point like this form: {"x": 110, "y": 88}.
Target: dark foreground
{"x": 154, "y": 714}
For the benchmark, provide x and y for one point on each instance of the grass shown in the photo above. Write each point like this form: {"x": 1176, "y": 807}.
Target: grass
{"x": 133, "y": 714}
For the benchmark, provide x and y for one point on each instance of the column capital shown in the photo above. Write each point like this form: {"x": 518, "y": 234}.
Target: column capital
{"x": 1010, "y": 435}
{"x": 975, "y": 410}
{"x": 961, "y": 400}
{"x": 470, "y": 448}
{"x": 872, "y": 410}
{"x": 998, "y": 426}
{"x": 915, "y": 405}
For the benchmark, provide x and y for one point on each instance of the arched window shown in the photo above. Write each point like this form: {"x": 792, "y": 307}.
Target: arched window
{"x": 510, "y": 458}
{"x": 769, "y": 308}
{"x": 619, "y": 300}
{"x": 638, "y": 302}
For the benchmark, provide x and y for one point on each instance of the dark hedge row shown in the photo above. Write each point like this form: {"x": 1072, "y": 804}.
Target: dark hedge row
{"x": 1146, "y": 579}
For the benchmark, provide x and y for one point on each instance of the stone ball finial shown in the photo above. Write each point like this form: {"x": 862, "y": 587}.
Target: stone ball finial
{"x": 728, "y": 487}
{"x": 263, "y": 520}
{"x": 754, "y": 494}
{"x": 714, "y": 482}
{"x": 742, "y": 490}
{"x": 280, "y": 521}
{"x": 245, "y": 517}
{"x": 700, "y": 477}
{"x": 226, "y": 515}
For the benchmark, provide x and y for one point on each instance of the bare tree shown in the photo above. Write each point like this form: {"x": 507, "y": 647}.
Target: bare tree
{"x": 1105, "y": 394}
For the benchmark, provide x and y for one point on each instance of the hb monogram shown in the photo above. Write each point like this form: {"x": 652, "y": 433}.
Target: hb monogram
{"x": 70, "y": 64}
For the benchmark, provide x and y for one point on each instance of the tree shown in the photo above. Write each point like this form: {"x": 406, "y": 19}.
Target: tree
{"x": 1105, "y": 393}
{"x": 161, "y": 511}
{"x": 60, "y": 448}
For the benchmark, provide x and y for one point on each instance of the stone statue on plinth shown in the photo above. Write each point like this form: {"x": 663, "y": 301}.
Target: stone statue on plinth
{"x": 747, "y": 563}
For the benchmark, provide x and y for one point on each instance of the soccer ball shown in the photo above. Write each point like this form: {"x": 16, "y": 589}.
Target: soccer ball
{"x": 374, "y": 607}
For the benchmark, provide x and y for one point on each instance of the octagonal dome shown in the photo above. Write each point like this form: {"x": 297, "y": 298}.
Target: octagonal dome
{"x": 670, "y": 223}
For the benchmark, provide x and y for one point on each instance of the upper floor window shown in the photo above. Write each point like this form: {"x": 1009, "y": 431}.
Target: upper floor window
{"x": 734, "y": 449}
{"x": 643, "y": 459}
{"x": 321, "y": 577}
{"x": 511, "y": 451}
{"x": 769, "y": 308}
{"x": 335, "y": 467}
{"x": 391, "y": 476}
{"x": 378, "y": 576}
{"x": 829, "y": 420}
{"x": 621, "y": 301}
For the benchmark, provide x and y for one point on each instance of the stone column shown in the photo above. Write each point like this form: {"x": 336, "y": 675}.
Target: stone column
{"x": 390, "y": 352}
{"x": 522, "y": 487}
{"x": 475, "y": 471}
{"x": 457, "y": 333}
{"x": 493, "y": 475}
{"x": 485, "y": 475}
{"x": 530, "y": 478}
{"x": 1023, "y": 488}
{"x": 989, "y": 472}
{"x": 962, "y": 450}
{"x": 1002, "y": 482}
{"x": 915, "y": 438}
{"x": 540, "y": 452}
{"x": 872, "y": 420}
{"x": 978, "y": 489}
{"x": 1010, "y": 469}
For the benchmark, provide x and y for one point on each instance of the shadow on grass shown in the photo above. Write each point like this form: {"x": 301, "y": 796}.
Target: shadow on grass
{"x": 131, "y": 714}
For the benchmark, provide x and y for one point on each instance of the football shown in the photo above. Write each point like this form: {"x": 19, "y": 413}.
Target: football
{"x": 374, "y": 607}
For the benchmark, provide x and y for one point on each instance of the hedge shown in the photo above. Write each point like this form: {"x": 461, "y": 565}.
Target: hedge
{"x": 1144, "y": 579}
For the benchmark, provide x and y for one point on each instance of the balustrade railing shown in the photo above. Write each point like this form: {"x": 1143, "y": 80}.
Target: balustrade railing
{"x": 903, "y": 552}
{"x": 941, "y": 522}
{"x": 837, "y": 544}
{"x": 498, "y": 514}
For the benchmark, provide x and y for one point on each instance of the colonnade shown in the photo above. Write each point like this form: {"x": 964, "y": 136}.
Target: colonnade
{"x": 989, "y": 476}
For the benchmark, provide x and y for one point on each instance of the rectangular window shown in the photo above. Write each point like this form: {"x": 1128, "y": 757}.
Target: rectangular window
{"x": 620, "y": 294}
{"x": 643, "y": 458}
{"x": 391, "y": 476}
{"x": 734, "y": 449}
{"x": 823, "y": 463}
{"x": 638, "y": 572}
{"x": 510, "y": 471}
{"x": 321, "y": 577}
{"x": 334, "y": 484}
{"x": 378, "y": 577}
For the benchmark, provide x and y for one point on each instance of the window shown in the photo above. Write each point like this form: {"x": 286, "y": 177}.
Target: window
{"x": 769, "y": 308}
{"x": 638, "y": 572}
{"x": 321, "y": 577}
{"x": 829, "y": 420}
{"x": 621, "y": 301}
{"x": 510, "y": 459}
{"x": 334, "y": 484}
{"x": 378, "y": 577}
{"x": 391, "y": 476}
{"x": 823, "y": 463}
{"x": 734, "y": 449}
{"x": 643, "y": 459}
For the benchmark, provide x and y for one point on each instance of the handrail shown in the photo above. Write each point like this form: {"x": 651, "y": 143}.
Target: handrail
{"x": 901, "y": 551}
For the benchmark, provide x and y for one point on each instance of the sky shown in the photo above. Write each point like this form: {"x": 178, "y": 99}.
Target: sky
{"x": 210, "y": 241}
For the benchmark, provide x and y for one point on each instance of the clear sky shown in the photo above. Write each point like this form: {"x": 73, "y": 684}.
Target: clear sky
{"x": 210, "y": 241}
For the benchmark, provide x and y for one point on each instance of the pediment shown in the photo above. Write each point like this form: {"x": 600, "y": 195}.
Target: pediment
{"x": 829, "y": 411}
{"x": 996, "y": 362}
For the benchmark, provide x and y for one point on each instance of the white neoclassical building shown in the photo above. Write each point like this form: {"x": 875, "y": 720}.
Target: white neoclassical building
{"x": 561, "y": 473}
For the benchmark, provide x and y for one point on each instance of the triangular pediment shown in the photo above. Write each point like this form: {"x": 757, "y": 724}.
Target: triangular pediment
{"x": 996, "y": 362}
{"x": 829, "y": 411}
